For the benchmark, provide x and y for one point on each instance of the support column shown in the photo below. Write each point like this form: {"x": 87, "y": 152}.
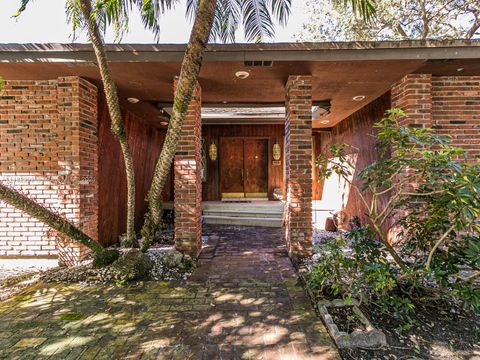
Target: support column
{"x": 78, "y": 185}
{"x": 188, "y": 181}
{"x": 413, "y": 94}
{"x": 298, "y": 150}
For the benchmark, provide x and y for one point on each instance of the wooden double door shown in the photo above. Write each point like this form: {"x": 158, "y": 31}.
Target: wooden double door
{"x": 243, "y": 167}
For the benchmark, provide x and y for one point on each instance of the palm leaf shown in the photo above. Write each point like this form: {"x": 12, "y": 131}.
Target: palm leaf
{"x": 257, "y": 20}
{"x": 22, "y": 8}
{"x": 281, "y": 10}
{"x": 365, "y": 8}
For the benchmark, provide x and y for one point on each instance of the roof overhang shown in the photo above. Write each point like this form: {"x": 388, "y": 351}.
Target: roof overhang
{"x": 341, "y": 71}
{"x": 305, "y": 51}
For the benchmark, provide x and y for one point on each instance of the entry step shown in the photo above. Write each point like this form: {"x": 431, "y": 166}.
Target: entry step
{"x": 245, "y": 213}
{"x": 244, "y": 220}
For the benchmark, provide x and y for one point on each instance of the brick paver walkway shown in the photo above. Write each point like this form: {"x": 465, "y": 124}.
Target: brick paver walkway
{"x": 243, "y": 302}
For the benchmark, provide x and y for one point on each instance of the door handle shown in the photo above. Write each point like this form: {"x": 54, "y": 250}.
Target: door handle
{"x": 242, "y": 175}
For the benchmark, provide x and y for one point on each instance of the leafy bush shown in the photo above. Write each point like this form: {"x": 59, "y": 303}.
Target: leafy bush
{"x": 424, "y": 190}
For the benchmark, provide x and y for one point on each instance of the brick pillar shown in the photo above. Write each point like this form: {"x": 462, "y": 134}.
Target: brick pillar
{"x": 77, "y": 130}
{"x": 413, "y": 94}
{"x": 188, "y": 181}
{"x": 48, "y": 151}
{"x": 298, "y": 161}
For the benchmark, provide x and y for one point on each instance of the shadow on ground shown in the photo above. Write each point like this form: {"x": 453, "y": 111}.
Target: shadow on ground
{"x": 242, "y": 302}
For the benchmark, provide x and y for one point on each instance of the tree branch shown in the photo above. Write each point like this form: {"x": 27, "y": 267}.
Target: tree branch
{"x": 437, "y": 244}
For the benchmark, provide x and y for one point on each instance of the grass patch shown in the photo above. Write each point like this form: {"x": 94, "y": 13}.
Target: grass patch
{"x": 23, "y": 297}
{"x": 72, "y": 316}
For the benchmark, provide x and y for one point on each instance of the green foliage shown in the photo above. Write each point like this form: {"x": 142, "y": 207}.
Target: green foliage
{"x": 424, "y": 186}
{"x": 394, "y": 20}
{"x": 357, "y": 266}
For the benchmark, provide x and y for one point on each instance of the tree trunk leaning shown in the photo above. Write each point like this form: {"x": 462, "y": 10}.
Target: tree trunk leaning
{"x": 55, "y": 221}
{"x": 186, "y": 83}
{"x": 117, "y": 125}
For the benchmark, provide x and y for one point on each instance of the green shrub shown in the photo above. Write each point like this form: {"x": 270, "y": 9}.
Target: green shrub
{"x": 424, "y": 186}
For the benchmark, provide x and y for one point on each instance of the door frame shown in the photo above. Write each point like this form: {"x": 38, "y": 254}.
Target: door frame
{"x": 269, "y": 159}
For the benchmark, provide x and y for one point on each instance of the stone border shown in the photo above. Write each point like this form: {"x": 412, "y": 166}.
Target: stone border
{"x": 370, "y": 338}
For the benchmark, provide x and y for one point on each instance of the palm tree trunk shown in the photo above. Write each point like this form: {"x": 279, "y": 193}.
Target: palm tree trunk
{"x": 55, "y": 221}
{"x": 117, "y": 125}
{"x": 186, "y": 83}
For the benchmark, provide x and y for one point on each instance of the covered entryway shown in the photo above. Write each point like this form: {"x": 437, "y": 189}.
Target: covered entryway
{"x": 243, "y": 168}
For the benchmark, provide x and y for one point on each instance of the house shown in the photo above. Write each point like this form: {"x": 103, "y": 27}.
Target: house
{"x": 260, "y": 115}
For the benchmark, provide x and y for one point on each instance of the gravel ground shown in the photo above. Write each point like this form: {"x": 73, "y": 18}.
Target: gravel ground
{"x": 320, "y": 235}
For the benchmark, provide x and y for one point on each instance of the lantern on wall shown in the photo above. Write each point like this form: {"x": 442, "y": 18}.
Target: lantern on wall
{"x": 277, "y": 152}
{"x": 212, "y": 151}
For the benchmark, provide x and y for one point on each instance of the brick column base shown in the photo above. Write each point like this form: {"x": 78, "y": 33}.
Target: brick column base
{"x": 48, "y": 151}
{"x": 188, "y": 181}
{"x": 298, "y": 149}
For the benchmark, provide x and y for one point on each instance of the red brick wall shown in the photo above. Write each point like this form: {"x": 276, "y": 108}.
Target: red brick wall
{"x": 449, "y": 104}
{"x": 456, "y": 110}
{"x": 356, "y": 130}
{"x": 188, "y": 181}
{"x": 414, "y": 95}
{"x": 146, "y": 141}
{"x": 298, "y": 163}
{"x": 48, "y": 147}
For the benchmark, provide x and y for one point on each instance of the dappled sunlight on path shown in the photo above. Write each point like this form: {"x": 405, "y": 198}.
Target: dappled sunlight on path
{"x": 243, "y": 302}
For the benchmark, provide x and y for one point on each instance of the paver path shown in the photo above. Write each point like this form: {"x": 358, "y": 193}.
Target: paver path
{"x": 243, "y": 302}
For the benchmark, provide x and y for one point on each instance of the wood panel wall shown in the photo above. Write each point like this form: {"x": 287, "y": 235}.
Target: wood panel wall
{"x": 213, "y": 133}
{"x": 146, "y": 143}
{"x": 356, "y": 130}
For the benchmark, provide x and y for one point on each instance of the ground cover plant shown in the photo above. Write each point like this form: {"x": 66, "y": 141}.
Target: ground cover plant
{"x": 427, "y": 193}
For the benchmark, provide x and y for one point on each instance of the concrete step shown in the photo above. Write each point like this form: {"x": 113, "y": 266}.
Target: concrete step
{"x": 245, "y": 221}
{"x": 245, "y": 213}
{"x": 259, "y": 206}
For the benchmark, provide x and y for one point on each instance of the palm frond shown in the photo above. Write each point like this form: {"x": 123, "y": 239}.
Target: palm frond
{"x": 365, "y": 8}
{"x": 22, "y": 8}
{"x": 257, "y": 20}
{"x": 151, "y": 11}
{"x": 225, "y": 22}
{"x": 281, "y": 10}
{"x": 116, "y": 14}
{"x": 191, "y": 9}
{"x": 74, "y": 17}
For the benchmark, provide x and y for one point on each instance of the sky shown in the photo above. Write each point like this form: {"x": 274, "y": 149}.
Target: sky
{"x": 44, "y": 21}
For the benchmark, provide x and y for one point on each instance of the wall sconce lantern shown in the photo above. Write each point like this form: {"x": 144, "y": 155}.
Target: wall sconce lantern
{"x": 277, "y": 152}
{"x": 212, "y": 151}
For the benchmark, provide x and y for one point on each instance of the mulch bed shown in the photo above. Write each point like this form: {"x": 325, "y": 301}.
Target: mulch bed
{"x": 345, "y": 319}
{"x": 440, "y": 332}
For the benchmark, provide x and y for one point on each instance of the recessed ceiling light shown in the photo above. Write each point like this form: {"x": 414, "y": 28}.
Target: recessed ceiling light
{"x": 225, "y": 102}
{"x": 163, "y": 123}
{"x": 324, "y": 121}
{"x": 460, "y": 69}
{"x": 242, "y": 74}
{"x": 359, "y": 97}
{"x": 132, "y": 100}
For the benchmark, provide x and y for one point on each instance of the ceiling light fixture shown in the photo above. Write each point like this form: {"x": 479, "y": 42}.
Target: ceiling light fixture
{"x": 132, "y": 100}
{"x": 242, "y": 74}
{"x": 359, "y": 97}
{"x": 163, "y": 123}
{"x": 460, "y": 69}
{"x": 324, "y": 121}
